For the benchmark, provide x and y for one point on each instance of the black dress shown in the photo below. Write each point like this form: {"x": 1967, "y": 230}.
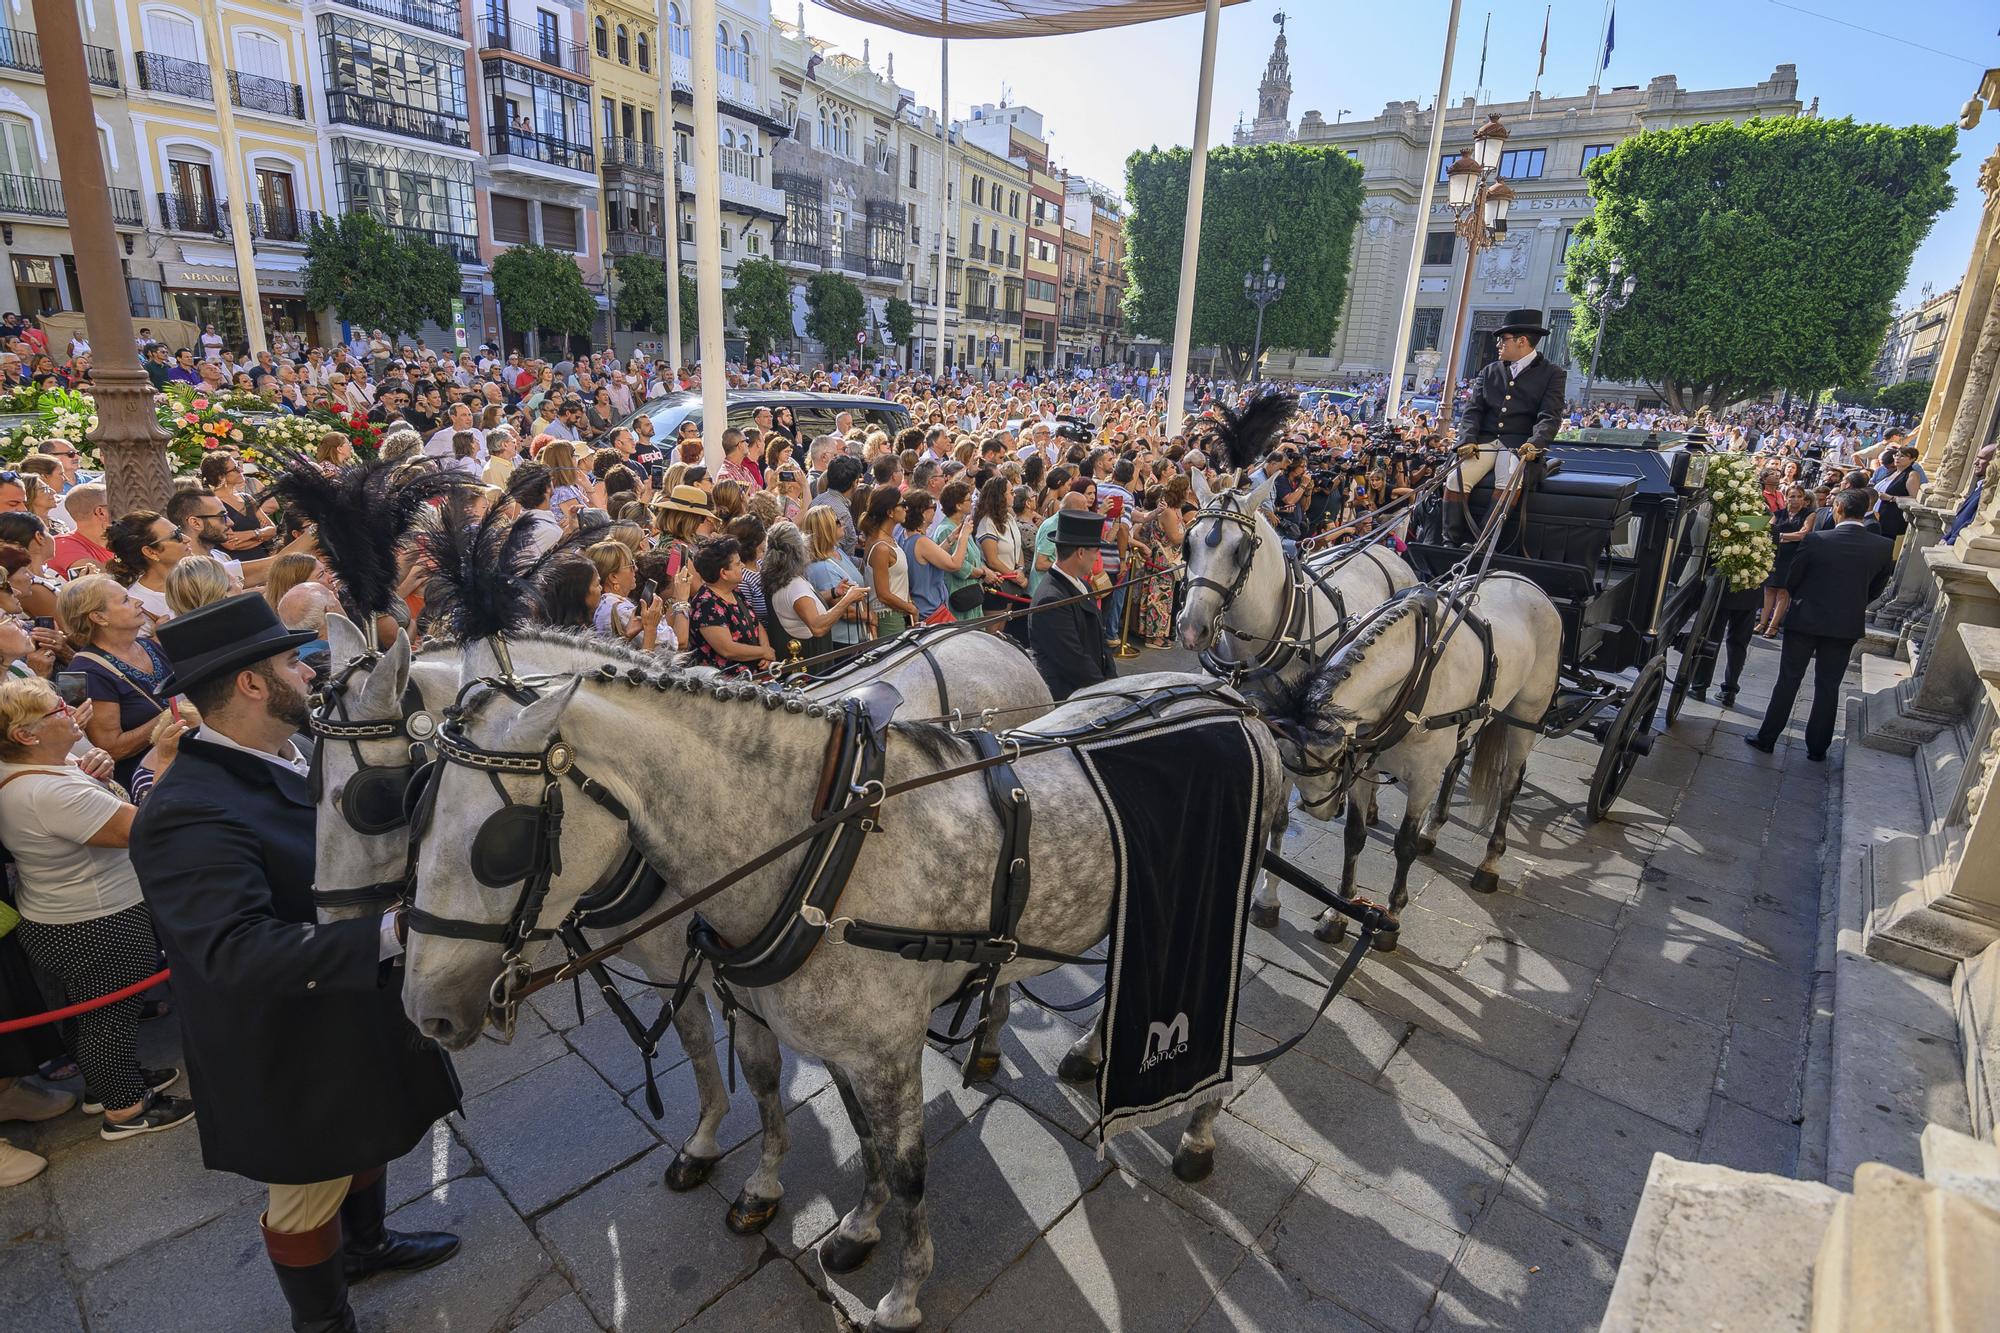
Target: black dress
{"x": 1782, "y": 522}
{"x": 1888, "y": 513}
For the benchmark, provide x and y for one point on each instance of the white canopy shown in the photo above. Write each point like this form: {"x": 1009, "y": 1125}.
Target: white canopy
{"x": 1011, "y": 18}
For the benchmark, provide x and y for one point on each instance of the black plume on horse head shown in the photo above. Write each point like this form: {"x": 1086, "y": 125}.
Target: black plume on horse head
{"x": 486, "y": 576}
{"x": 1241, "y": 437}
{"x": 363, "y": 512}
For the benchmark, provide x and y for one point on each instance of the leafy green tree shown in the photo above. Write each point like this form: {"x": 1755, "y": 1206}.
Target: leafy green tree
{"x": 1856, "y": 395}
{"x": 542, "y": 289}
{"x": 762, "y": 303}
{"x": 1766, "y": 254}
{"x": 374, "y": 278}
{"x": 1294, "y": 202}
{"x": 834, "y": 311}
{"x": 642, "y": 296}
{"x": 1906, "y": 398}
{"x": 902, "y": 320}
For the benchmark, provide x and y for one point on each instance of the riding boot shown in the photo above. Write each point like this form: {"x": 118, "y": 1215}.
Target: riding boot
{"x": 371, "y": 1247}
{"x": 1457, "y": 522}
{"x": 313, "y": 1277}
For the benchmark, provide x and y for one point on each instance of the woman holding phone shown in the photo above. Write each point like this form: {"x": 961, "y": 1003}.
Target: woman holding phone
{"x": 123, "y": 666}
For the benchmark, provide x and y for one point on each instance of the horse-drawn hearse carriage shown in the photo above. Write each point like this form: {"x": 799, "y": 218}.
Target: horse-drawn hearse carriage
{"x": 1617, "y": 536}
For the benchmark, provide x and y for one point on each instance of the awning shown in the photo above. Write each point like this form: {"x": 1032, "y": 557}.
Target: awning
{"x": 1011, "y": 18}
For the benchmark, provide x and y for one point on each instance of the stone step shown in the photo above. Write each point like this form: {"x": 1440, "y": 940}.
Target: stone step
{"x": 1960, "y": 1162}
{"x": 1715, "y": 1248}
{"x": 1906, "y": 1255}
{"x": 1975, "y": 999}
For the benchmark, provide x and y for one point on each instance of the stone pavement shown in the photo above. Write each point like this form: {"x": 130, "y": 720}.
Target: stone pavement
{"x": 1460, "y": 1144}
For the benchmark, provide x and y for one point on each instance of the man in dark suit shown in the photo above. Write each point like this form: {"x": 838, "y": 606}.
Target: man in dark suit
{"x": 1068, "y": 641}
{"x": 311, "y": 1079}
{"x": 1516, "y": 408}
{"x": 1835, "y": 576}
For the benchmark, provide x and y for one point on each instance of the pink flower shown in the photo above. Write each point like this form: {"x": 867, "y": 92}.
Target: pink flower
{"x": 191, "y": 419}
{"x": 198, "y": 404}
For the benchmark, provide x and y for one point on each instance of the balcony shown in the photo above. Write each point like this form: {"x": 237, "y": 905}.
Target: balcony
{"x": 975, "y": 311}
{"x": 465, "y": 249}
{"x": 274, "y": 97}
{"x": 533, "y": 146}
{"x": 885, "y": 268}
{"x": 498, "y": 33}
{"x": 618, "y": 243}
{"x": 439, "y": 16}
{"x": 801, "y": 253}
{"x": 976, "y": 251}
{"x": 951, "y": 298}
{"x": 747, "y": 193}
{"x": 178, "y": 78}
{"x": 634, "y": 154}
{"x": 20, "y": 50}
{"x": 42, "y": 197}
{"x": 378, "y": 113}
{"x": 194, "y": 214}
{"x": 1099, "y": 265}
{"x": 100, "y": 64}
{"x": 1013, "y": 260}
{"x": 289, "y": 224}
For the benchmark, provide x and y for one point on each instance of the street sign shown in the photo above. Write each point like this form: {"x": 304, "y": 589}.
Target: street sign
{"x": 458, "y": 323}
{"x": 860, "y": 338}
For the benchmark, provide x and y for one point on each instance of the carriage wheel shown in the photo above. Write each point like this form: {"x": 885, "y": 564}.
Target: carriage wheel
{"x": 1693, "y": 644}
{"x": 1629, "y": 736}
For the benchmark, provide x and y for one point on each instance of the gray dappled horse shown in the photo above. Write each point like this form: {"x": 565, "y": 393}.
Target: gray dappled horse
{"x": 1279, "y": 616}
{"x": 1497, "y": 642}
{"x": 984, "y": 672}
{"x": 742, "y": 774}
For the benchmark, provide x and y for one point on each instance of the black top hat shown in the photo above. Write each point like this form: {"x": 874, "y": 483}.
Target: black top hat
{"x": 224, "y": 636}
{"x": 1527, "y": 322}
{"x": 1079, "y": 527}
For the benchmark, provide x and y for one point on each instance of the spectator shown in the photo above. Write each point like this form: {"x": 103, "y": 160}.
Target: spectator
{"x": 831, "y": 574}
{"x": 723, "y": 629}
{"x": 888, "y": 564}
{"x": 144, "y": 546}
{"x": 195, "y": 582}
{"x": 1788, "y": 529}
{"x": 842, "y": 475}
{"x": 571, "y": 591}
{"x": 530, "y": 487}
{"x": 250, "y": 535}
{"x": 83, "y": 919}
{"x": 123, "y": 667}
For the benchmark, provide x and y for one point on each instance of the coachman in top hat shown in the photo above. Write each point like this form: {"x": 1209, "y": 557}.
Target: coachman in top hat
{"x": 310, "y": 1077}
{"x": 1516, "y": 409}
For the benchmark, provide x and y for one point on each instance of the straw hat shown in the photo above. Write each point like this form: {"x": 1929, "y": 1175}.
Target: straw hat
{"x": 687, "y": 500}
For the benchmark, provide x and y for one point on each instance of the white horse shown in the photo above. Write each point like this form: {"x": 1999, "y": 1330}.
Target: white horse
{"x": 928, "y": 865}
{"x": 1268, "y": 620}
{"x": 358, "y": 872}
{"x": 1402, "y": 692}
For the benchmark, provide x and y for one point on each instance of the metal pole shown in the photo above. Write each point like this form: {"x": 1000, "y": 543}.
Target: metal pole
{"x": 1596, "y": 346}
{"x": 947, "y": 188}
{"x": 231, "y": 153}
{"x": 1191, "y": 225}
{"x": 1257, "y": 345}
{"x": 1421, "y": 231}
{"x": 671, "y": 336}
{"x": 1448, "y": 393}
{"x": 711, "y": 357}
{"x": 128, "y": 434}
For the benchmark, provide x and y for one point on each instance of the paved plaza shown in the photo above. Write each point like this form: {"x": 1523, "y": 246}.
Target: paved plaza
{"x": 1460, "y": 1144}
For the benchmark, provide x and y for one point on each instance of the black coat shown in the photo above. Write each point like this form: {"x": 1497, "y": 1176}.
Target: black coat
{"x": 1833, "y": 579}
{"x": 302, "y": 1063}
{"x": 1070, "y": 651}
{"x": 1516, "y": 411}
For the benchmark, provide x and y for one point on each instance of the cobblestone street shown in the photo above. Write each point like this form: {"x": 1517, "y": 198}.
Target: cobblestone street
{"x": 1461, "y": 1143}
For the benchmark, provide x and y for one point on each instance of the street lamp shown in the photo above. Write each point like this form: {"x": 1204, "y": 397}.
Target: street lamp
{"x": 1605, "y": 296}
{"x": 1480, "y": 202}
{"x": 1260, "y": 288}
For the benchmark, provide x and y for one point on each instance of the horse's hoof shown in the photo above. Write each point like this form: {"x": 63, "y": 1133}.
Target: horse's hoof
{"x": 1264, "y": 918}
{"x": 1425, "y": 846}
{"x": 1485, "y": 881}
{"x": 687, "y": 1171}
{"x": 1194, "y": 1164}
{"x": 897, "y": 1323}
{"x": 1330, "y": 929}
{"x": 748, "y": 1216}
{"x": 1385, "y": 941}
{"x": 1076, "y": 1067}
{"x": 841, "y": 1255}
{"x": 985, "y": 1066}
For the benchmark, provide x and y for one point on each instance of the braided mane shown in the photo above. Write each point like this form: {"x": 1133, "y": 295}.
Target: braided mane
{"x": 1354, "y": 650}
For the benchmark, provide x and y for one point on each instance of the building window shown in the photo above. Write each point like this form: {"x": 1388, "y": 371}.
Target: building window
{"x": 411, "y": 191}
{"x": 978, "y": 196}
{"x": 913, "y": 166}
{"x": 743, "y": 57}
{"x": 511, "y": 225}
{"x": 1439, "y": 247}
{"x": 627, "y": 121}
{"x": 1569, "y": 239}
{"x": 753, "y": 243}
{"x": 1595, "y": 150}
{"x": 624, "y": 45}
{"x": 724, "y": 47}
{"x": 1522, "y": 164}
{"x": 379, "y": 78}
{"x": 610, "y": 111}
{"x": 561, "y": 229}
{"x": 645, "y": 127}
{"x": 1426, "y": 325}
{"x": 149, "y": 298}
{"x": 645, "y": 52}
{"x": 1444, "y": 167}
{"x": 548, "y": 31}
{"x": 601, "y": 32}
{"x": 678, "y": 41}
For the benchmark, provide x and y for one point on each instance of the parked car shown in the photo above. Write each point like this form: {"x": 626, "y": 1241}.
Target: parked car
{"x": 814, "y": 412}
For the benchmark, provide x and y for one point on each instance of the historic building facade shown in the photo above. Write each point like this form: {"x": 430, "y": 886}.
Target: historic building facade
{"x": 1550, "y": 140}
{"x": 1911, "y": 348}
{"x": 993, "y": 191}
{"x": 626, "y": 48}
{"x": 1016, "y": 133}
{"x": 930, "y": 199}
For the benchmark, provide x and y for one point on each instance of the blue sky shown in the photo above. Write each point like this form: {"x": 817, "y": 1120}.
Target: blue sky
{"x": 1104, "y": 94}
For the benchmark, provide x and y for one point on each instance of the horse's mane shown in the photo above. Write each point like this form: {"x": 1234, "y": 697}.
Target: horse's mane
{"x": 363, "y": 512}
{"x": 1243, "y": 436}
{"x": 1319, "y": 687}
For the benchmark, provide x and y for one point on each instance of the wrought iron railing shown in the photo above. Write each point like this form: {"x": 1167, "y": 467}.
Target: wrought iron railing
{"x": 497, "y": 32}
{"x": 439, "y": 16}
{"x": 1013, "y": 260}
{"x": 181, "y": 78}
{"x": 797, "y": 252}
{"x": 635, "y": 243}
{"x": 20, "y": 50}
{"x": 100, "y": 65}
{"x": 502, "y": 141}
{"x": 465, "y": 249}
{"x": 379, "y": 113}
{"x": 977, "y": 251}
{"x": 636, "y": 154}
{"x": 31, "y": 196}
{"x": 287, "y": 222}
{"x": 192, "y": 213}
{"x": 853, "y": 261}
{"x": 255, "y": 92}
{"x": 884, "y": 268}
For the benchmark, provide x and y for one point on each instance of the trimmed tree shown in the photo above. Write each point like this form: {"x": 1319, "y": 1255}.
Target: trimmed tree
{"x": 901, "y": 320}
{"x": 374, "y": 278}
{"x": 642, "y": 296}
{"x": 1905, "y": 399}
{"x": 762, "y": 303}
{"x": 1767, "y": 254}
{"x": 542, "y": 289}
{"x": 834, "y": 311}
{"x": 1294, "y": 202}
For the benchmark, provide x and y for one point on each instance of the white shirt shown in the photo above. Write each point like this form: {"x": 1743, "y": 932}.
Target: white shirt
{"x": 1514, "y": 368}
{"x": 439, "y": 445}
{"x": 47, "y": 823}
{"x": 548, "y": 530}
{"x": 155, "y": 603}
{"x": 784, "y": 601}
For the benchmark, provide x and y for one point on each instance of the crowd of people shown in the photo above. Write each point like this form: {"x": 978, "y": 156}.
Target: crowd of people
{"x": 798, "y": 546}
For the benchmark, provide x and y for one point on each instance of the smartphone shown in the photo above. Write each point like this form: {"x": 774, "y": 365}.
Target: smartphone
{"x": 673, "y": 563}
{"x": 46, "y": 622}
{"x": 1116, "y": 509}
{"x": 643, "y": 593}
{"x": 72, "y": 687}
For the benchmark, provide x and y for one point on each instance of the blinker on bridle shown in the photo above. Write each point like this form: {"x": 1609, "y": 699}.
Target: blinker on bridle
{"x": 373, "y": 802}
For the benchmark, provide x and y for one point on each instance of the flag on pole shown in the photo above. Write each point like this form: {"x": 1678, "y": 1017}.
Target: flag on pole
{"x": 1543, "y": 66}
{"x": 1610, "y": 36}
{"x": 1482, "y": 52}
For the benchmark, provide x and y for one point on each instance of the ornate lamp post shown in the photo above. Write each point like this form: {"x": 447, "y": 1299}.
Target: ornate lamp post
{"x": 1604, "y": 297}
{"x": 1480, "y": 202}
{"x": 1260, "y": 288}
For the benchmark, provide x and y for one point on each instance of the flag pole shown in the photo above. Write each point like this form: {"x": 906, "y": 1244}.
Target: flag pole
{"x": 1479, "y": 89}
{"x": 1598, "y": 77}
{"x": 1421, "y": 231}
{"x": 1535, "y": 100}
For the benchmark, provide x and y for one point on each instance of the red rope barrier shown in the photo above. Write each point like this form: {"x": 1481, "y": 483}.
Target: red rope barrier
{"x": 84, "y": 1007}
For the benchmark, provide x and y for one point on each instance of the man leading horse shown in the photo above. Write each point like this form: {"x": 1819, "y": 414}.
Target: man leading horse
{"x": 1516, "y": 408}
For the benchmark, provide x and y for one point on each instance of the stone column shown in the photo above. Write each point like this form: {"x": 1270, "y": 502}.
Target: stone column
{"x": 1975, "y": 406}
{"x": 1911, "y": 588}
{"x": 1955, "y": 404}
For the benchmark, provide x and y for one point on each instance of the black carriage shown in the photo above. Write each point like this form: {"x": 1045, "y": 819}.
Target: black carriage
{"x": 1617, "y": 536}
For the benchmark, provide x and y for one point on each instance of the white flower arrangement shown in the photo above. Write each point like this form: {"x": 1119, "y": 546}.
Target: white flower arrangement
{"x": 1739, "y": 543}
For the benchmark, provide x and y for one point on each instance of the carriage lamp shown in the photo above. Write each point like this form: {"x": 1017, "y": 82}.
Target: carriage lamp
{"x": 1488, "y": 142}
{"x": 1494, "y": 208}
{"x": 1462, "y": 181}
{"x": 1480, "y": 202}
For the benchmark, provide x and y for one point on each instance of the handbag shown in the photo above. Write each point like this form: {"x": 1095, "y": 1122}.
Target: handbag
{"x": 964, "y": 601}
{"x": 9, "y": 918}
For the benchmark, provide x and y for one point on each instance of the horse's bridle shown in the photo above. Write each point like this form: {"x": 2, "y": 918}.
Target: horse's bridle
{"x": 372, "y": 801}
